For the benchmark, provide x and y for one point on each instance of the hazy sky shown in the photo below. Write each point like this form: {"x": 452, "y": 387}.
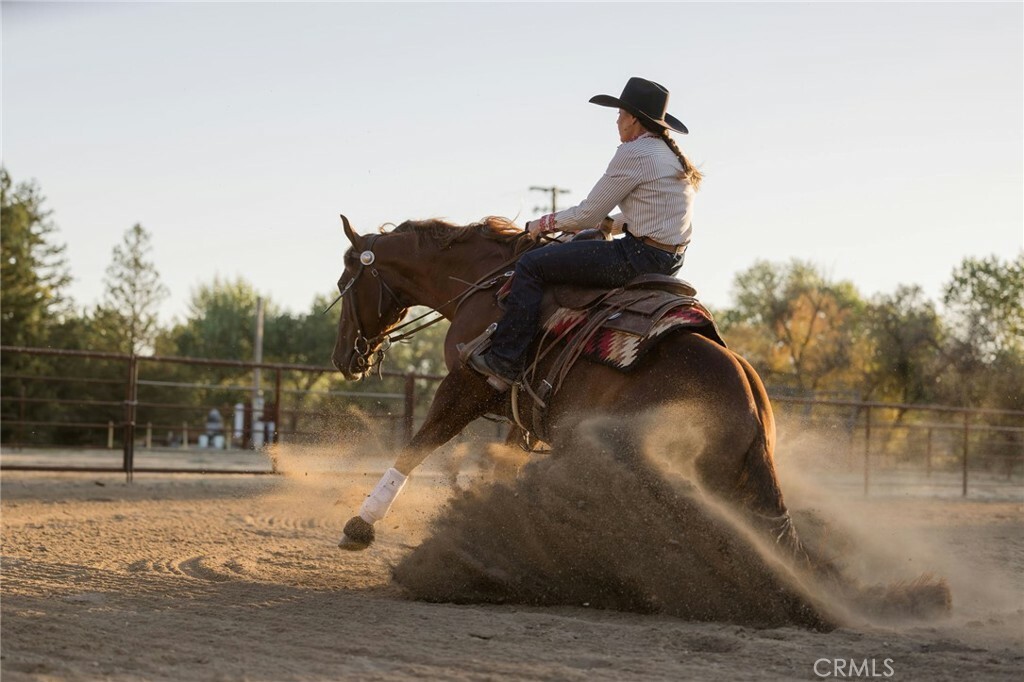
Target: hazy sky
{"x": 883, "y": 142}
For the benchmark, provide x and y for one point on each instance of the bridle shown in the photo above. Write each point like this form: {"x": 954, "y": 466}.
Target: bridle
{"x": 365, "y": 354}
{"x": 369, "y": 352}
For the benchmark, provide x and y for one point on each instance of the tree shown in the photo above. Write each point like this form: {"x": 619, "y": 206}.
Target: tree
{"x": 800, "y": 329}
{"x": 907, "y": 339}
{"x": 134, "y": 292}
{"x": 304, "y": 339}
{"x": 985, "y": 302}
{"x": 33, "y": 278}
{"x": 984, "y": 351}
{"x": 33, "y": 268}
{"x": 221, "y": 322}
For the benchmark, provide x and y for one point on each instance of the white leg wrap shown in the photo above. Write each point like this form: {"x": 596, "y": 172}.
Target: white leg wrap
{"x": 379, "y": 502}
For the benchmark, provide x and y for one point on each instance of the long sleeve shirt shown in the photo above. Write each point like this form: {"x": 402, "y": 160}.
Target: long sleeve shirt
{"x": 644, "y": 179}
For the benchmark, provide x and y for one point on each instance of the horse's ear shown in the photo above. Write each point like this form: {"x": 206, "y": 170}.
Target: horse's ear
{"x": 350, "y": 233}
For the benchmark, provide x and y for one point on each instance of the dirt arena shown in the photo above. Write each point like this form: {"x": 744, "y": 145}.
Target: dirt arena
{"x": 220, "y": 577}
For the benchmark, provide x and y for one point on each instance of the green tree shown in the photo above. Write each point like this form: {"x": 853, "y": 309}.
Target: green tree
{"x": 984, "y": 350}
{"x": 33, "y": 280}
{"x": 984, "y": 302}
{"x": 907, "y": 343}
{"x": 133, "y": 293}
{"x": 801, "y": 330}
{"x": 33, "y": 267}
{"x": 221, "y": 322}
{"x": 304, "y": 339}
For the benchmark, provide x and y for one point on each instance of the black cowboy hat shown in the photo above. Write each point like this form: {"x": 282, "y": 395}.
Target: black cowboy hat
{"x": 646, "y": 100}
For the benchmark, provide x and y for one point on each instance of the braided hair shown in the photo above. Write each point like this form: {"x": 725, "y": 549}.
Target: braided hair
{"x": 690, "y": 173}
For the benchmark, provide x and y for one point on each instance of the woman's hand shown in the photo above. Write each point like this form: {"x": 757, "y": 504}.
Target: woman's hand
{"x": 541, "y": 226}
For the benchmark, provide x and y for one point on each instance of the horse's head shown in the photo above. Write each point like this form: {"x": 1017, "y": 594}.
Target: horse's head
{"x": 370, "y": 303}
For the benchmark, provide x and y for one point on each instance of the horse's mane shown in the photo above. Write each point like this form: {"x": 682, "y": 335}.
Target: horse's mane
{"x": 443, "y": 233}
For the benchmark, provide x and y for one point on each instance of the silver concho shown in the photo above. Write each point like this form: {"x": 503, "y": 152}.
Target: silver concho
{"x": 366, "y": 257}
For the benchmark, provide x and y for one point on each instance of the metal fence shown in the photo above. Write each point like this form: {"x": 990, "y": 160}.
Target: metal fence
{"x": 151, "y": 402}
{"x": 77, "y": 399}
{"x": 895, "y": 445}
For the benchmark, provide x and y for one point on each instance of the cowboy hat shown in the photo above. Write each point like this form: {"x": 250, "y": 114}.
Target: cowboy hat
{"x": 646, "y": 100}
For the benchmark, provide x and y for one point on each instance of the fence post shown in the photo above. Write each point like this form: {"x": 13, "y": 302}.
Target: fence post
{"x": 967, "y": 435}
{"x": 184, "y": 434}
{"x": 149, "y": 435}
{"x": 410, "y": 406}
{"x": 130, "y": 404}
{"x": 110, "y": 434}
{"x": 20, "y": 433}
{"x": 275, "y": 436}
{"x": 1009, "y": 458}
{"x": 928, "y": 455}
{"x": 867, "y": 448}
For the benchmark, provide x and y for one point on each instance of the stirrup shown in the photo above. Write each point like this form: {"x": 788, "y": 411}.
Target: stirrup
{"x": 477, "y": 363}
{"x": 479, "y": 343}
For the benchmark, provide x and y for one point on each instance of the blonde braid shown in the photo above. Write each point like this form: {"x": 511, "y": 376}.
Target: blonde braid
{"x": 690, "y": 172}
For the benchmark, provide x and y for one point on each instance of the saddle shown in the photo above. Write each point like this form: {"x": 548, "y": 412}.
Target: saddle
{"x": 578, "y": 297}
{"x": 635, "y": 308}
{"x": 612, "y": 327}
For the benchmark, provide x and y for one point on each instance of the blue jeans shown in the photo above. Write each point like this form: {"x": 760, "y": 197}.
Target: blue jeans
{"x": 596, "y": 263}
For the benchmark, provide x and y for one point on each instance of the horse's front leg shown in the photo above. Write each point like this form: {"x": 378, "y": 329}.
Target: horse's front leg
{"x": 460, "y": 398}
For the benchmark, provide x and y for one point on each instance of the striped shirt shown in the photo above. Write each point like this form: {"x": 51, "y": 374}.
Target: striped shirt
{"x": 643, "y": 180}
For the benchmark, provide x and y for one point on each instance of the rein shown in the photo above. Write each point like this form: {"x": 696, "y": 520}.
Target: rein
{"x": 365, "y": 357}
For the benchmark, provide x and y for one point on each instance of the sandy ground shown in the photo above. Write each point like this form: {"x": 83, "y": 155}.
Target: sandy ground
{"x": 220, "y": 577}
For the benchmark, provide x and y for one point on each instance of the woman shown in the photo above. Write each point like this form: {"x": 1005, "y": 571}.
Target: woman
{"x": 653, "y": 184}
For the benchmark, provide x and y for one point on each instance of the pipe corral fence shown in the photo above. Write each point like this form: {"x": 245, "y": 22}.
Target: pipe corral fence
{"x": 896, "y": 446}
{"x": 90, "y": 401}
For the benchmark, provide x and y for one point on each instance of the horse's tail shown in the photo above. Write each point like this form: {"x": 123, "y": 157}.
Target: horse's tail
{"x": 925, "y": 597}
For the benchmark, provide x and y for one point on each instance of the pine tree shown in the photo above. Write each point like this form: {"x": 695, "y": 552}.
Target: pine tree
{"x": 33, "y": 268}
{"x": 134, "y": 290}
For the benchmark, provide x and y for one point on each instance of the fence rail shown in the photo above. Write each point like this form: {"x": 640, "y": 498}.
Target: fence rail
{"x": 172, "y": 405}
{"x": 144, "y": 400}
{"x": 970, "y": 439}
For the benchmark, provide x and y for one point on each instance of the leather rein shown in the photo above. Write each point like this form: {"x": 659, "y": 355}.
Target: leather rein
{"x": 366, "y": 355}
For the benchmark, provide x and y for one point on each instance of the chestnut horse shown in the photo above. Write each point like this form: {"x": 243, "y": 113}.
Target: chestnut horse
{"x": 729, "y": 430}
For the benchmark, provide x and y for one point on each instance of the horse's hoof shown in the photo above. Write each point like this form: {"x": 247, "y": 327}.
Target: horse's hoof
{"x": 351, "y": 545}
{"x": 358, "y": 534}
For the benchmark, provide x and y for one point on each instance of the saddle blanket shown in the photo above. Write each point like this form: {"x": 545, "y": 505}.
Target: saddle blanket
{"x": 622, "y": 349}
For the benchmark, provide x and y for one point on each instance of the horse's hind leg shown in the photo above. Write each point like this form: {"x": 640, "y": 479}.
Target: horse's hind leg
{"x": 758, "y": 489}
{"x": 460, "y": 398}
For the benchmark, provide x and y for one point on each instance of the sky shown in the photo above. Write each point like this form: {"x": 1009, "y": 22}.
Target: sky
{"x": 883, "y": 142}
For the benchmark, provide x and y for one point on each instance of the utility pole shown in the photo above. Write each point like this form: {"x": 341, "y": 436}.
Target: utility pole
{"x": 257, "y": 349}
{"x": 555, "y": 191}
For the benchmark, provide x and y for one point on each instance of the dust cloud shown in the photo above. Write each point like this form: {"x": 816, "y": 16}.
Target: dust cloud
{"x": 892, "y": 537}
{"x": 595, "y": 525}
{"x": 606, "y": 524}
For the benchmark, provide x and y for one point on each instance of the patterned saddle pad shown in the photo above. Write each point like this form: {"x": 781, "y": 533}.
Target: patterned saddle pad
{"x": 626, "y": 335}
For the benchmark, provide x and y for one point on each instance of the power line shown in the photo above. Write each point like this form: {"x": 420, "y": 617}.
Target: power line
{"x": 554, "y": 191}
